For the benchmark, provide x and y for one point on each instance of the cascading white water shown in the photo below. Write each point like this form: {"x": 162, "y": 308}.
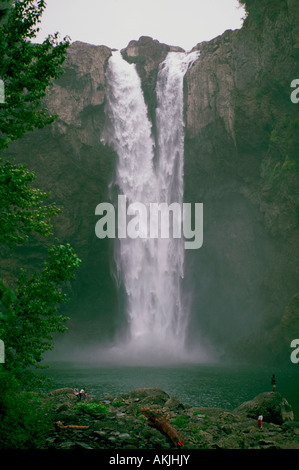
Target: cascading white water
{"x": 150, "y": 269}
{"x": 170, "y": 180}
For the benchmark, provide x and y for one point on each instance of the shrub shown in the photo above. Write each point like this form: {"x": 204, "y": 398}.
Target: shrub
{"x": 181, "y": 421}
{"x": 257, "y": 10}
{"x": 91, "y": 408}
{"x": 23, "y": 422}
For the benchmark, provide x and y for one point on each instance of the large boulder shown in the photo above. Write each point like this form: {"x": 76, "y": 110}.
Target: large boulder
{"x": 147, "y": 396}
{"x": 61, "y": 391}
{"x": 271, "y": 405}
{"x": 62, "y": 397}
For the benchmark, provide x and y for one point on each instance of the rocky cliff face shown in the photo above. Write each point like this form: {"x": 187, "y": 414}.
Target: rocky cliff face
{"x": 238, "y": 109}
{"x": 239, "y": 161}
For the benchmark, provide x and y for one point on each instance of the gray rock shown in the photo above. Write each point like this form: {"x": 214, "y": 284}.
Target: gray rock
{"x": 62, "y": 408}
{"x": 62, "y": 391}
{"x": 271, "y": 405}
{"x": 67, "y": 445}
{"x": 147, "y": 396}
{"x": 174, "y": 404}
{"x": 83, "y": 445}
{"x": 124, "y": 436}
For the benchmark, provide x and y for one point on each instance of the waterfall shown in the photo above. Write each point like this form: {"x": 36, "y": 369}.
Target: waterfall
{"x": 149, "y": 170}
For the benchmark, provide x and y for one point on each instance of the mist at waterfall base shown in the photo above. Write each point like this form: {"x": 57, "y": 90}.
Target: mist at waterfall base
{"x": 149, "y": 271}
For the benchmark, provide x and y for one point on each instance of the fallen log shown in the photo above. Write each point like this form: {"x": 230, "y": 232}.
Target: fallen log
{"x": 59, "y": 426}
{"x": 157, "y": 420}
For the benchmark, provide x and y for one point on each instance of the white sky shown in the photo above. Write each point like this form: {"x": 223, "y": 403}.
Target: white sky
{"x": 114, "y": 23}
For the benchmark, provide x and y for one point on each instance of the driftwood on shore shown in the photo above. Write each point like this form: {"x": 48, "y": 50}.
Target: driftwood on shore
{"x": 59, "y": 425}
{"x": 157, "y": 420}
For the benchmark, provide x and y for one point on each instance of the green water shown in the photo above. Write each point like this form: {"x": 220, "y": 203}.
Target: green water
{"x": 197, "y": 385}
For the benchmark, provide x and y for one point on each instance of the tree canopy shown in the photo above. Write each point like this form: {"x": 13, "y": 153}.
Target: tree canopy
{"x": 257, "y": 10}
{"x": 27, "y": 70}
{"x": 32, "y": 316}
{"x": 23, "y": 208}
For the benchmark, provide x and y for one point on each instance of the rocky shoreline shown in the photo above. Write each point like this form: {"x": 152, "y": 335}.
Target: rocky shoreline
{"x": 119, "y": 423}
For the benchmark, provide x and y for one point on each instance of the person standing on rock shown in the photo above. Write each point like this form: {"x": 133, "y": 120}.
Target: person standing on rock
{"x": 76, "y": 392}
{"x": 273, "y": 382}
{"x": 260, "y": 421}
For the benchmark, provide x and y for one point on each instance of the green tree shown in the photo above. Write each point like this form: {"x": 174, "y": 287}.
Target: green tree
{"x": 32, "y": 316}
{"x": 5, "y": 6}
{"x": 27, "y": 70}
{"x": 281, "y": 165}
{"x": 23, "y": 211}
{"x": 257, "y": 10}
{"x": 23, "y": 208}
{"x": 25, "y": 422}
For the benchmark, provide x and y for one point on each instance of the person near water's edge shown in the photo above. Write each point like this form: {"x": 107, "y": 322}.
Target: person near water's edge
{"x": 273, "y": 382}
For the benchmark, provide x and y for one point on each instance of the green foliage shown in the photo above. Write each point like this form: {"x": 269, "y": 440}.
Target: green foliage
{"x": 282, "y": 161}
{"x": 27, "y": 70}
{"x": 181, "y": 421}
{"x": 117, "y": 403}
{"x": 23, "y": 422}
{"x": 6, "y": 295}
{"x": 5, "y": 6}
{"x": 91, "y": 408}
{"x": 257, "y": 10}
{"x": 32, "y": 317}
{"x": 283, "y": 134}
{"x": 280, "y": 177}
{"x": 22, "y": 207}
